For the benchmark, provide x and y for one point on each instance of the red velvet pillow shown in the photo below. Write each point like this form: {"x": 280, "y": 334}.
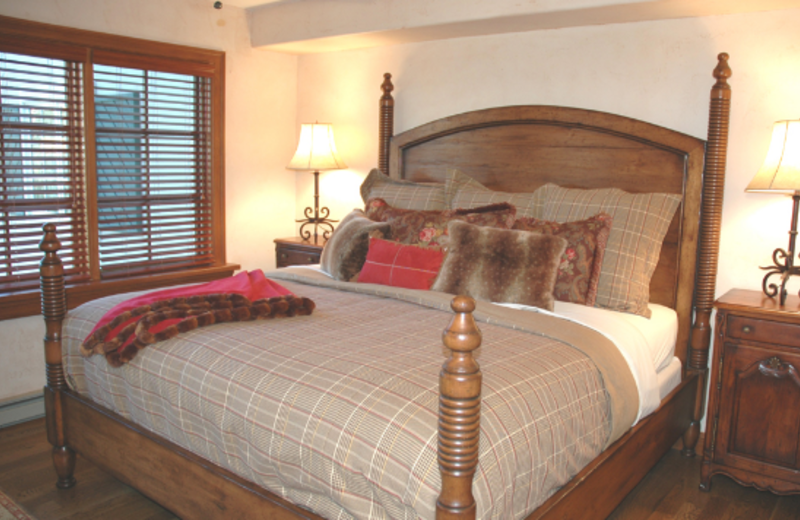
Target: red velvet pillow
{"x": 401, "y": 265}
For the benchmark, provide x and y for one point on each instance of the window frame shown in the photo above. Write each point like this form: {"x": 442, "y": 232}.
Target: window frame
{"x": 38, "y": 39}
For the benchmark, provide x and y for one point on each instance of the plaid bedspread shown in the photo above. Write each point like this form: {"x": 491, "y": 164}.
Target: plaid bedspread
{"x": 337, "y": 412}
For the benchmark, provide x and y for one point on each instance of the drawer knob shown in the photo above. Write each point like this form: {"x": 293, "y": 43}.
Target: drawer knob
{"x": 284, "y": 256}
{"x": 747, "y": 329}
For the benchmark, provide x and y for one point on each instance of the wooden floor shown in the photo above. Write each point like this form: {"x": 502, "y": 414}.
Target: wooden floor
{"x": 670, "y": 491}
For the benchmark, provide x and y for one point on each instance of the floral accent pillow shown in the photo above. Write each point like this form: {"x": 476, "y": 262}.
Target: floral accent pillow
{"x": 429, "y": 228}
{"x": 579, "y": 270}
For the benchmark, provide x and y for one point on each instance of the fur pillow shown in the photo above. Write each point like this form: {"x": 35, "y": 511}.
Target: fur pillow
{"x": 345, "y": 252}
{"x": 501, "y": 265}
{"x": 402, "y": 193}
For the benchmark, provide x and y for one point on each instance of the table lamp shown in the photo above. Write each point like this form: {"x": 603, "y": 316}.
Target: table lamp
{"x": 316, "y": 151}
{"x": 780, "y": 173}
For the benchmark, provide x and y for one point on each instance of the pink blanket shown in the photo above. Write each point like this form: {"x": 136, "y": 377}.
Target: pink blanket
{"x": 253, "y": 285}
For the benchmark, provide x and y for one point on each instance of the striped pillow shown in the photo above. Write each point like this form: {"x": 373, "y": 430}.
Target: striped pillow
{"x": 640, "y": 222}
{"x": 462, "y": 191}
{"x": 402, "y": 194}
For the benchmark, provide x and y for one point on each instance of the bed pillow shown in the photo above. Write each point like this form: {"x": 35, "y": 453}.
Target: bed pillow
{"x": 401, "y": 265}
{"x": 501, "y": 265}
{"x": 346, "y": 250}
{"x": 579, "y": 270}
{"x": 429, "y": 228}
{"x": 401, "y": 193}
{"x": 462, "y": 191}
{"x": 640, "y": 222}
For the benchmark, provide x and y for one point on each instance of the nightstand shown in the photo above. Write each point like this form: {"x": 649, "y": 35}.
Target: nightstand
{"x": 296, "y": 251}
{"x": 753, "y": 426}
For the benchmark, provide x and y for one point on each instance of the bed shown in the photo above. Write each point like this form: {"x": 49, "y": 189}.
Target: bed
{"x": 574, "y": 148}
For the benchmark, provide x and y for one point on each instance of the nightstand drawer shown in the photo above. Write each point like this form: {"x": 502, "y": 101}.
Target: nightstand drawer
{"x": 743, "y": 327}
{"x": 288, "y": 257}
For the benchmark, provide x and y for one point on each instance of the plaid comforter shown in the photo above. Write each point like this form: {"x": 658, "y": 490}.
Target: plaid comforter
{"x": 337, "y": 412}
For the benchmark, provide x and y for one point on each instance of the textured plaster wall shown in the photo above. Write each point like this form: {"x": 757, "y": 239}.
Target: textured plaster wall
{"x": 259, "y": 122}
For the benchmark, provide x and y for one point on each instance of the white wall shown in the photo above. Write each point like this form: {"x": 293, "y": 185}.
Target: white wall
{"x": 659, "y": 72}
{"x": 260, "y": 118}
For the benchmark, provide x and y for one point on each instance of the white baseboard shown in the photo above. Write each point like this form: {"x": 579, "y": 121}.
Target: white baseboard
{"x": 21, "y": 409}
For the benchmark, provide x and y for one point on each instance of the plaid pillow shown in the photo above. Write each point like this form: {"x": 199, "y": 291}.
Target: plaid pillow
{"x": 462, "y": 191}
{"x": 429, "y": 228}
{"x": 401, "y": 265}
{"x": 640, "y": 223}
{"x": 402, "y": 194}
{"x": 579, "y": 271}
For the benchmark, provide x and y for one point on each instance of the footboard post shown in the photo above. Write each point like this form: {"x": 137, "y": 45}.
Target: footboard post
{"x": 54, "y": 305}
{"x": 459, "y": 414}
{"x": 713, "y": 188}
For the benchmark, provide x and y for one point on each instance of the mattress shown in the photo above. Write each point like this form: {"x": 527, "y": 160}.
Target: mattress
{"x": 270, "y": 402}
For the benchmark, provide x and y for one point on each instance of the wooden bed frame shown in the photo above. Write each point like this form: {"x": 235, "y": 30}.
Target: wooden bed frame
{"x": 497, "y": 147}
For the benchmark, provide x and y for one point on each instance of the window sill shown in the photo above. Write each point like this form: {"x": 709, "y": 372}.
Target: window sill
{"x": 28, "y": 303}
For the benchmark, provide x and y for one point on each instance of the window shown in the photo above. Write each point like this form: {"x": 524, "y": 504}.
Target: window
{"x": 119, "y": 143}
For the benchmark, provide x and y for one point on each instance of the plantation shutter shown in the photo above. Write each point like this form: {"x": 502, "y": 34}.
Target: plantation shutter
{"x": 153, "y": 173}
{"x": 41, "y": 165}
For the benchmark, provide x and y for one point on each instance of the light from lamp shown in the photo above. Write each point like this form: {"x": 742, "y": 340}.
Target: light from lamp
{"x": 316, "y": 150}
{"x": 781, "y": 169}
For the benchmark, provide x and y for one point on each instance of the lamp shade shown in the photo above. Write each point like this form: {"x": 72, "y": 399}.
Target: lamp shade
{"x": 317, "y": 149}
{"x": 781, "y": 169}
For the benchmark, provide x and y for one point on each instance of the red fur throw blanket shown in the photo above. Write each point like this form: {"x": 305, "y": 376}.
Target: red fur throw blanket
{"x": 183, "y": 314}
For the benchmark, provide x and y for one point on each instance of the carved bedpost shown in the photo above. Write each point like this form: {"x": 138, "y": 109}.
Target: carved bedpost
{"x": 459, "y": 414}
{"x": 386, "y": 123}
{"x": 54, "y": 307}
{"x": 713, "y": 187}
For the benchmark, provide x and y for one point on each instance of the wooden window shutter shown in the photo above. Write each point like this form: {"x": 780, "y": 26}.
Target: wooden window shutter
{"x": 153, "y": 170}
{"x": 42, "y": 165}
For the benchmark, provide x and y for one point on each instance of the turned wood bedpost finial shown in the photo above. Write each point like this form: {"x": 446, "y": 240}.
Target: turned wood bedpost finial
{"x": 386, "y": 123}
{"x": 708, "y": 247}
{"x": 459, "y": 414}
{"x": 54, "y": 307}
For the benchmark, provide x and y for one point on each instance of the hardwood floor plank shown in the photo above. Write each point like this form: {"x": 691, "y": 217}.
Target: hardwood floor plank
{"x": 669, "y": 492}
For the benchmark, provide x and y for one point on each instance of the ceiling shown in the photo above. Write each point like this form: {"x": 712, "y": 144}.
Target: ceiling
{"x": 314, "y": 26}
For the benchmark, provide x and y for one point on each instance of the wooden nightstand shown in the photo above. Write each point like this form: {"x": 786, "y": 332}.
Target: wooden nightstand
{"x": 296, "y": 251}
{"x": 753, "y": 427}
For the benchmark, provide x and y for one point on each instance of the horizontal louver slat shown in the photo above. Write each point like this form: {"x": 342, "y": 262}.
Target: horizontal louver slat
{"x": 153, "y": 175}
{"x": 41, "y": 166}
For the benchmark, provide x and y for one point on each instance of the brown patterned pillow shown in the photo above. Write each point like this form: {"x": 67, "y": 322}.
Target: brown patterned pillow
{"x": 641, "y": 221}
{"x": 501, "y": 265}
{"x": 462, "y": 191}
{"x": 401, "y": 193}
{"x": 579, "y": 271}
{"x": 429, "y": 228}
{"x": 346, "y": 251}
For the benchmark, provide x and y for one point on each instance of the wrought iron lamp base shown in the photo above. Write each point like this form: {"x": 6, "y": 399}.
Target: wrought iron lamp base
{"x": 316, "y": 216}
{"x": 783, "y": 260}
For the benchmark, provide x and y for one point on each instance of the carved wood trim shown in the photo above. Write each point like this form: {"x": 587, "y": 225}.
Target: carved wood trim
{"x": 459, "y": 414}
{"x": 713, "y": 188}
{"x": 385, "y": 123}
{"x": 54, "y": 308}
